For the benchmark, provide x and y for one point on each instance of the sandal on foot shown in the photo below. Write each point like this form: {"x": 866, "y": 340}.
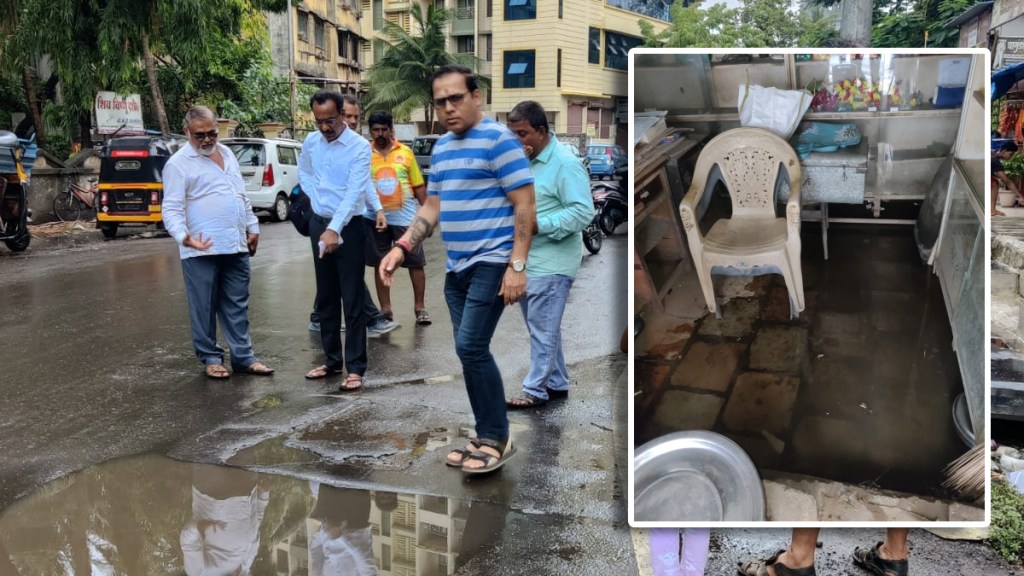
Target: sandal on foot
{"x": 491, "y": 462}
{"x": 217, "y": 372}
{"x": 760, "y": 568}
{"x": 321, "y": 371}
{"x": 524, "y": 402}
{"x": 351, "y": 383}
{"x": 870, "y": 560}
{"x": 257, "y": 369}
{"x": 423, "y": 318}
{"x": 462, "y": 453}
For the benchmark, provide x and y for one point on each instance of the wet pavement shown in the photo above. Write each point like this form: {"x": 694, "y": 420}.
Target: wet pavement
{"x": 833, "y": 394}
{"x": 99, "y": 377}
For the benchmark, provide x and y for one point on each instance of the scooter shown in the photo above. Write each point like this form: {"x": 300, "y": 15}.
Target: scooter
{"x": 610, "y": 201}
{"x": 592, "y": 235}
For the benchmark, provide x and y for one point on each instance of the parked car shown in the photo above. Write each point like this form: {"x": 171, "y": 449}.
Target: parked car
{"x": 607, "y": 160}
{"x": 270, "y": 168}
{"x": 578, "y": 154}
{"x": 422, "y": 148}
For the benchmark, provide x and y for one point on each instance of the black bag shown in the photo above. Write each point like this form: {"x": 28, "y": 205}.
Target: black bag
{"x": 300, "y": 211}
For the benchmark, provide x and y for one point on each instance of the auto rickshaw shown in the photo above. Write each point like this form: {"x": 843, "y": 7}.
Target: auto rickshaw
{"x": 131, "y": 181}
{"x": 14, "y": 209}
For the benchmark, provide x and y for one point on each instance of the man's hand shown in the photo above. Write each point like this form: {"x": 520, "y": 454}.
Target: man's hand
{"x": 330, "y": 240}
{"x": 198, "y": 243}
{"x": 513, "y": 286}
{"x": 391, "y": 261}
{"x": 252, "y": 240}
{"x": 382, "y": 221}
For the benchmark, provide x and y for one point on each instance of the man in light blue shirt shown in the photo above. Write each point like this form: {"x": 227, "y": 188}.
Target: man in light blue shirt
{"x": 334, "y": 171}
{"x": 564, "y": 208}
{"x": 206, "y": 211}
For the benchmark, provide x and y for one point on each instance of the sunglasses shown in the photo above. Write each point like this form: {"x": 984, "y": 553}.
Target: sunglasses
{"x": 455, "y": 100}
{"x": 200, "y": 136}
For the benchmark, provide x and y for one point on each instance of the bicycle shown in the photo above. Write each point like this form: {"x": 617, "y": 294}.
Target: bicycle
{"x": 68, "y": 205}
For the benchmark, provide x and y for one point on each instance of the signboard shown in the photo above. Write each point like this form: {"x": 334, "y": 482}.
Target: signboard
{"x": 120, "y": 114}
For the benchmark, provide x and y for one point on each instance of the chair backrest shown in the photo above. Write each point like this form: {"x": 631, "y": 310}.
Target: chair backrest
{"x": 749, "y": 160}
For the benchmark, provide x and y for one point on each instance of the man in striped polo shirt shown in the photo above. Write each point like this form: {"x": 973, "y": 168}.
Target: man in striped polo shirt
{"x": 481, "y": 192}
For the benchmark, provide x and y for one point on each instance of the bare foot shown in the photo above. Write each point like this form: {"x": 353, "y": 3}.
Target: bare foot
{"x": 997, "y": 213}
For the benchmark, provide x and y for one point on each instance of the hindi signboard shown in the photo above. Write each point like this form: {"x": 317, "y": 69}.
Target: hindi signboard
{"x": 120, "y": 114}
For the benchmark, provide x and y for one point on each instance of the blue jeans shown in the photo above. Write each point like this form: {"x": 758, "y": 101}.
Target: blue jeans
{"x": 475, "y": 307}
{"x": 542, "y": 310}
{"x": 217, "y": 286}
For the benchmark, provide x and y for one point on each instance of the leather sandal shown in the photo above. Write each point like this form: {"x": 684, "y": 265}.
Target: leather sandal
{"x": 760, "y": 568}
{"x": 351, "y": 383}
{"x": 257, "y": 369}
{"x": 462, "y": 453}
{"x": 870, "y": 560}
{"x": 491, "y": 462}
{"x": 524, "y": 402}
{"x": 321, "y": 371}
{"x": 217, "y": 372}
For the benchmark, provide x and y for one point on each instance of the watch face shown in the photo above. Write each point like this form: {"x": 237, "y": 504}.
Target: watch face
{"x": 518, "y": 265}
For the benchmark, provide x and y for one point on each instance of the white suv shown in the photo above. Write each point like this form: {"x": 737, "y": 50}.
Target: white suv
{"x": 270, "y": 168}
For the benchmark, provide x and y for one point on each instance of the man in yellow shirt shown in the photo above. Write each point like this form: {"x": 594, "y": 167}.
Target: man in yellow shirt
{"x": 400, "y": 186}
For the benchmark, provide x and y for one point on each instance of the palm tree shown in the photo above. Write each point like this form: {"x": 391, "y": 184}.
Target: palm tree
{"x": 400, "y": 80}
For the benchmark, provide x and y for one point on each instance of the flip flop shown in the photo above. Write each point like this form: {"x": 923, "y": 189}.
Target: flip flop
{"x": 463, "y": 453}
{"x": 423, "y": 318}
{"x": 491, "y": 462}
{"x": 870, "y": 560}
{"x": 760, "y": 568}
{"x": 351, "y": 383}
{"x": 257, "y": 369}
{"x": 217, "y": 372}
{"x": 321, "y": 371}
{"x": 525, "y": 402}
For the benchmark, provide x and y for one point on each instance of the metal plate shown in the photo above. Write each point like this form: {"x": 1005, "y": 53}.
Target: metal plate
{"x": 695, "y": 476}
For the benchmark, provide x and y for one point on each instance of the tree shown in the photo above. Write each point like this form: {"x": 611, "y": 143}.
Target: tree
{"x": 715, "y": 27}
{"x": 399, "y": 82}
{"x": 906, "y": 26}
{"x": 778, "y": 25}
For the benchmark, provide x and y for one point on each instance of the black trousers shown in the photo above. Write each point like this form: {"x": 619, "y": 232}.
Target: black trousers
{"x": 340, "y": 288}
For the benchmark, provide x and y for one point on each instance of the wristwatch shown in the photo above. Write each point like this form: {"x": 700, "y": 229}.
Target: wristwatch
{"x": 517, "y": 265}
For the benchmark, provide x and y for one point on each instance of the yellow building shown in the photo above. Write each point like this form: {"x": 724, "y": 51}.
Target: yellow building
{"x": 319, "y": 40}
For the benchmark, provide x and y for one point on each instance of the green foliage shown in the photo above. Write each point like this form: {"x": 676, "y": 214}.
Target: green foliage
{"x": 817, "y": 28}
{"x": 778, "y": 25}
{"x": 714, "y": 27}
{"x": 1014, "y": 167}
{"x": 1006, "y": 533}
{"x": 399, "y": 81}
{"x": 905, "y": 25}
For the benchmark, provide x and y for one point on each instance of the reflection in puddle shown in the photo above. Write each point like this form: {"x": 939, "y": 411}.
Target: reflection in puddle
{"x": 153, "y": 515}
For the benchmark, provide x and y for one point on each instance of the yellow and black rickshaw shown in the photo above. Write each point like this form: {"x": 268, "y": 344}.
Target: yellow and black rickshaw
{"x": 14, "y": 210}
{"x": 131, "y": 181}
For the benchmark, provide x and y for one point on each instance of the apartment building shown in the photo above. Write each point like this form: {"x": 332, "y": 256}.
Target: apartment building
{"x": 319, "y": 41}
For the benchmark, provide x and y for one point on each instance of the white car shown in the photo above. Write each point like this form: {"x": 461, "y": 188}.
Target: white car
{"x": 270, "y": 168}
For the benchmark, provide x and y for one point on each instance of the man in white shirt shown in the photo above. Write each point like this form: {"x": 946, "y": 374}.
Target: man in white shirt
{"x": 206, "y": 211}
{"x": 334, "y": 171}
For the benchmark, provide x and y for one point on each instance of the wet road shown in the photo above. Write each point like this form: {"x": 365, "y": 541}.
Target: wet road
{"x": 98, "y": 365}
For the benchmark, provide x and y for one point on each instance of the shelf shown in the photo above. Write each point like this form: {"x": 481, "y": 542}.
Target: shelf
{"x": 651, "y": 233}
{"x": 724, "y": 115}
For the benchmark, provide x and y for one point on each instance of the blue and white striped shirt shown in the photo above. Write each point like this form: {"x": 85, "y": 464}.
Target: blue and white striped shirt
{"x": 472, "y": 173}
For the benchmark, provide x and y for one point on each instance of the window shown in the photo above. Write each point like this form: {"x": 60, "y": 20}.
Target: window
{"x": 302, "y": 28}
{"x": 594, "y": 53}
{"x": 378, "y": 50}
{"x": 378, "y": 14}
{"x": 558, "y": 73}
{"x": 519, "y": 69}
{"x": 520, "y": 9}
{"x": 488, "y": 47}
{"x": 286, "y": 155}
{"x": 616, "y": 49}
{"x": 490, "y": 8}
{"x": 464, "y": 9}
{"x": 342, "y": 45}
{"x": 464, "y": 44}
{"x": 318, "y": 31}
{"x": 560, "y": 9}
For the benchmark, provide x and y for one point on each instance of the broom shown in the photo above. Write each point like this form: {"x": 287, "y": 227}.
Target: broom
{"x": 965, "y": 476}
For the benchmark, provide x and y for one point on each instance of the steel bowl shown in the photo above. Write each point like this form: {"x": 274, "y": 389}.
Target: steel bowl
{"x": 695, "y": 476}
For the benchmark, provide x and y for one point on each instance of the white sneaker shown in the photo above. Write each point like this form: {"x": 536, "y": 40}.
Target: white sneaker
{"x": 383, "y": 326}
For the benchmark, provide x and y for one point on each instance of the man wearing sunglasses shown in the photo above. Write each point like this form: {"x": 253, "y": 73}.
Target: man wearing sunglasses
{"x": 481, "y": 192}
{"x": 334, "y": 171}
{"x": 206, "y": 210}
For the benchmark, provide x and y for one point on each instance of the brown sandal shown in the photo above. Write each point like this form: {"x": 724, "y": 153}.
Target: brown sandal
{"x": 321, "y": 371}
{"x": 760, "y": 568}
{"x": 217, "y": 372}
{"x": 351, "y": 383}
{"x": 257, "y": 369}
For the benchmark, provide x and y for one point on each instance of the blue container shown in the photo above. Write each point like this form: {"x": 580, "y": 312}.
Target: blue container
{"x": 950, "y": 96}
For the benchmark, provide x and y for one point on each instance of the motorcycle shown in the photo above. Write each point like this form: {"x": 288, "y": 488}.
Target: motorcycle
{"x": 592, "y": 235}
{"x": 610, "y": 201}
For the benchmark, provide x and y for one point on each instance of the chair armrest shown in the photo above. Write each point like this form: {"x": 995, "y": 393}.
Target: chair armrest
{"x": 793, "y": 209}
{"x": 688, "y": 213}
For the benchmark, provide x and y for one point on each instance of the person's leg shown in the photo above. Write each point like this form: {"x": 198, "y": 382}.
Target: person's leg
{"x": 378, "y": 243}
{"x": 475, "y": 309}
{"x": 200, "y": 274}
{"x": 889, "y": 557}
{"x": 418, "y": 277}
{"x": 328, "y": 293}
{"x": 543, "y": 308}
{"x": 995, "y": 198}
{"x": 895, "y": 545}
{"x": 798, "y": 558}
{"x": 234, "y": 308}
{"x": 373, "y": 314}
{"x": 351, "y": 265}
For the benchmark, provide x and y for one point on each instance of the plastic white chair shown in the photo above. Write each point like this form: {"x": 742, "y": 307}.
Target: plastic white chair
{"x": 753, "y": 241}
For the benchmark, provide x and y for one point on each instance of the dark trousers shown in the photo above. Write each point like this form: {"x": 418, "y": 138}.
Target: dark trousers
{"x": 340, "y": 287}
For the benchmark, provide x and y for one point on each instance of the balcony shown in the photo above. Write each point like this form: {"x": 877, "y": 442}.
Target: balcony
{"x": 462, "y": 22}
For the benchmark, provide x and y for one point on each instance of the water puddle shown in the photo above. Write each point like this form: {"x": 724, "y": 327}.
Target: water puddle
{"x": 153, "y": 515}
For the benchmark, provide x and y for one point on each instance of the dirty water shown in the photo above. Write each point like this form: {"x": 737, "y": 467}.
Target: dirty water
{"x": 858, "y": 389}
{"x": 154, "y": 515}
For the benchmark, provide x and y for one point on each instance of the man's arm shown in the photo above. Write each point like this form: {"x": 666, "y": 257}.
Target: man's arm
{"x": 513, "y": 286}
{"x": 1007, "y": 182}
{"x": 422, "y": 227}
{"x": 577, "y": 208}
